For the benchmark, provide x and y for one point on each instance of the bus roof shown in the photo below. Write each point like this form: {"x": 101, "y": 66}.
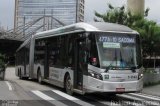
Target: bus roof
{"x": 87, "y": 27}
{"x": 82, "y": 27}
{"x": 111, "y": 27}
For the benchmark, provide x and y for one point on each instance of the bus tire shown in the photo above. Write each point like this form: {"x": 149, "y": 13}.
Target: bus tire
{"x": 39, "y": 77}
{"x": 68, "y": 86}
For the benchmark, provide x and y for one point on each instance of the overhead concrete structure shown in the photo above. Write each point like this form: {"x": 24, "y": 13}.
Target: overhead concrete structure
{"x": 8, "y": 46}
{"x": 136, "y": 6}
{"x": 67, "y": 11}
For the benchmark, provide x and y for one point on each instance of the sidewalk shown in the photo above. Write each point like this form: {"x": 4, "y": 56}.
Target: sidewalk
{"x": 152, "y": 90}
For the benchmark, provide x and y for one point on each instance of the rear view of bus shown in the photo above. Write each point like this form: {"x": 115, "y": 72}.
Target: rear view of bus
{"x": 115, "y": 62}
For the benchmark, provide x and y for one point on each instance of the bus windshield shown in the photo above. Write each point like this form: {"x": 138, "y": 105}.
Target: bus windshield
{"x": 118, "y": 50}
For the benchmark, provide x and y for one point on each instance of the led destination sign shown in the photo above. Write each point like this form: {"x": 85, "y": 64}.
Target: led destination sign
{"x": 116, "y": 39}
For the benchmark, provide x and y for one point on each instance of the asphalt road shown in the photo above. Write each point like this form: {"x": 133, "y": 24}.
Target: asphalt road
{"x": 16, "y": 92}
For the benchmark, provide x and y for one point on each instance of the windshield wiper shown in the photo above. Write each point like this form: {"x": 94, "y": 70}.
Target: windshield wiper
{"x": 108, "y": 68}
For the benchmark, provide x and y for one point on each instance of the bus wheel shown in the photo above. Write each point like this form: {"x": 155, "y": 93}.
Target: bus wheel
{"x": 68, "y": 85}
{"x": 39, "y": 77}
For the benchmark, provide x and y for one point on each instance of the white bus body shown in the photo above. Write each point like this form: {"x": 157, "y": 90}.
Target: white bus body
{"x": 84, "y": 58}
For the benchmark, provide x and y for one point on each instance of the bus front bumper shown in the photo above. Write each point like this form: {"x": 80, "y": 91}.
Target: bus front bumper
{"x": 94, "y": 85}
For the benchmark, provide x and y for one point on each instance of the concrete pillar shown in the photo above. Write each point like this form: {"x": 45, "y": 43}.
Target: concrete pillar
{"x": 136, "y": 6}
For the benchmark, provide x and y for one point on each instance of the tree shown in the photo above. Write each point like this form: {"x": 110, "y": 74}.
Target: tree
{"x": 150, "y": 34}
{"x": 119, "y": 15}
{"x": 113, "y": 15}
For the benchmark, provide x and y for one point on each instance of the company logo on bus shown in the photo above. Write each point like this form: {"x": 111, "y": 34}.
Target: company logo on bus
{"x": 117, "y": 77}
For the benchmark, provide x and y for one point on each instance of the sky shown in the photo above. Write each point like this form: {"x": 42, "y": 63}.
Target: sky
{"x": 7, "y": 10}
{"x": 101, "y": 7}
{"x": 7, "y": 13}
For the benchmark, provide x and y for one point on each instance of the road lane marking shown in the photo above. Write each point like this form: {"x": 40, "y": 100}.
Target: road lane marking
{"x": 42, "y": 95}
{"x": 9, "y": 85}
{"x": 140, "y": 98}
{"x": 154, "y": 96}
{"x": 65, "y": 95}
{"x": 147, "y": 97}
{"x": 129, "y": 97}
{"x": 71, "y": 98}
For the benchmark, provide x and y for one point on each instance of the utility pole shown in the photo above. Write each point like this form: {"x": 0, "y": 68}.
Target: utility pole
{"x": 136, "y": 6}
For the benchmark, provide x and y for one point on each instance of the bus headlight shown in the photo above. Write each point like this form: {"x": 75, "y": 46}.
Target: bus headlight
{"x": 140, "y": 73}
{"x": 95, "y": 75}
{"x": 140, "y": 76}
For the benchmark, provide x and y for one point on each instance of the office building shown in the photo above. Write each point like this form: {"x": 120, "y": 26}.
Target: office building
{"x": 66, "y": 11}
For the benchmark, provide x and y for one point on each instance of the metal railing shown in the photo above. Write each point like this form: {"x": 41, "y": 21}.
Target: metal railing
{"x": 24, "y": 31}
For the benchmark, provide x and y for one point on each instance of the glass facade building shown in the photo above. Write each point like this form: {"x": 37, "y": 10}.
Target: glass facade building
{"x": 66, "y": 11}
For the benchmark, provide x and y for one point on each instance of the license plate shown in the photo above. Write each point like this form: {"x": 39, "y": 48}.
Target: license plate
{"x": 120, "y": 89}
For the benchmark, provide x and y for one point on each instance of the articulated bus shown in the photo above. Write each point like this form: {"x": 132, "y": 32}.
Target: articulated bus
{"x": 84, "y": 58}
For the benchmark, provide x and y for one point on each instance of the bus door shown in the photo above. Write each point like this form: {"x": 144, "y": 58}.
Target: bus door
{"x": 46, "y": 62}
{"x": 81, "y": 62}
{"x": 25, "y": 58}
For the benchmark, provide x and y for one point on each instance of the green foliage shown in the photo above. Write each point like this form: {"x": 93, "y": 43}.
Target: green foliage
{"x": 149, "y": 30}
{"x": 150, "y": 33}
{"x": 151, "y": 84}
{"x": 149, "y": 71}
{"x": 120, "y": 16}
{"x": 113, "y": 15}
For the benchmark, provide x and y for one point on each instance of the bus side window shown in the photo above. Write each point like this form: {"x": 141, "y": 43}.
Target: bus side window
{"x": 84, "y": 52}
{"x": 70, "y": 50}
{"x": 53, "y": 51}
{"x": 93, "y": 57}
